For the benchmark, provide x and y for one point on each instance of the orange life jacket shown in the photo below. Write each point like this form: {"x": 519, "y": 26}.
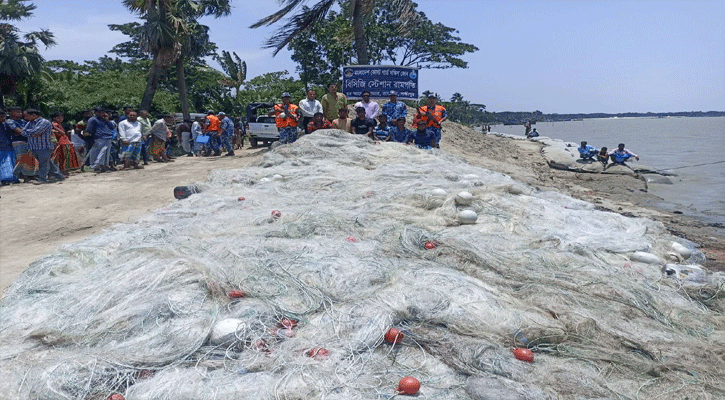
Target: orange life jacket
{"x": 214, "y": 124}
{"x": 287, "y": 121}
{"x": 436, "y": 112}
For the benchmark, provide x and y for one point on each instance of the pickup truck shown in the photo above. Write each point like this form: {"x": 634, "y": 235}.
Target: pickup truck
{"x": 260, "y": 127}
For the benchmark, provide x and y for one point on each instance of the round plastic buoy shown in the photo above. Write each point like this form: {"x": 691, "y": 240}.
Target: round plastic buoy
{"x": 318, "y": 352}
{"x": 523, "y": 354}
{"x": 276, "y": 213}
{"x": 115, "y": 396}
{"x": 429, "y": 245}
{"x": 394, "y": 335}
{"x": 438, "y": 193}
{"x": 264, "y": 180}
{"x": 235, "y": 294}
{"x": 240, "y": 199}
{"x": 408, "y": 385}
{"x": 682, "y": 250}
{"x": 351, "y": 239}
{"x": 464, "y": 199}
{"x": 467, "y": 217}
{"x": 276, "y": 176}
{"x": 288, "y": 323}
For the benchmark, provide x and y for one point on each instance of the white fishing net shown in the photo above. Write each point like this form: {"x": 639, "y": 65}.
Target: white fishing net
{"x": 132, "y": 310}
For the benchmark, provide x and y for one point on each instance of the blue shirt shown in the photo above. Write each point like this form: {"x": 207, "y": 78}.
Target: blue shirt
{"x": 100, "y": 128}
{"x": 422, "y": 139}
{"x": 588, "y": 151}
{"x": 11, "y": 125}
{"x": 395, "y": 110}
{"x": 38, "y": 132}
{"x": 383, "y": 133}
{"x": 228, "y": 127}
{"x": 400, "y": 136}
{"x": 6, "y": 139}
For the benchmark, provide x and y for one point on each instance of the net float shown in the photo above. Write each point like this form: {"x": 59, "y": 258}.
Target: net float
{"x": 523, "y": 354}
{"x": 318, "y": 352}
{"x": 288, "y": 323}
{"x": 236, "y": 294}
{"x": 240, "y": 199}
{"x": 429, "y": 245}
{"x": 408, "y": 385}
{"x": 276, "y": 213}
{"x": 351, "y": 239}
{"x": 394, "y": 335}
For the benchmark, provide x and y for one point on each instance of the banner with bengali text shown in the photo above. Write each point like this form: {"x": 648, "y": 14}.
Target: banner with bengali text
{"x": 380, "y": 81}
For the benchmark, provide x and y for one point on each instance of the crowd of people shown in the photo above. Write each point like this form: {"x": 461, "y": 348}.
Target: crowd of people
{"x": 39, "y": 150}
{"x": 386, "y": 123}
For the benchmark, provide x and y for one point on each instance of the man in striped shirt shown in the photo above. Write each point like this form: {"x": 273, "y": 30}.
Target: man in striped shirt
{"x": 38, "y": 132}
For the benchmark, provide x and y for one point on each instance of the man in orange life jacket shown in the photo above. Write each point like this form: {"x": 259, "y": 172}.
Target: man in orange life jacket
{"x": 433, "y": 115}
{"x": 286, "y": 116}
{"x": 213, "y": 130}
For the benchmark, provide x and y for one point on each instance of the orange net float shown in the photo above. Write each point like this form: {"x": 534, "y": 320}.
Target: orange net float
{"x": 276, "y": 213}
{"x": 240, "y": 199}
{"x": 408, "y": 385}
{"x": 351, "y": 239}
{"x": 318, "y": 353}
{"x": 430, "y": 245}
{"x": 523, "y": 354}
{"x": 115, "y": 396}
{"x": 394, "y": 335}
{"x": 288, "y": 323}
{"x": 236, "y": 294}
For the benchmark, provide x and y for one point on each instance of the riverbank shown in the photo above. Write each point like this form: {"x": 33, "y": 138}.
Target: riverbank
{"x": 37, "y": 219}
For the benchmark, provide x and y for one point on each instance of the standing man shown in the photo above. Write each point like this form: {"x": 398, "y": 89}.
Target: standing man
{"x": 286, "y": 117}
{"x": 145, "y": 122}
{"x": 372, "y": 109}
{"x": 212, "y": 129}
{"x": 309, "y": 107}
{"x": 183, "y": 132}
{"x": 7, "y": 154}
{"x": 362, "y": 125}
{"x": 227, "y": 133}
{"x": 126, "y": 110}
{"x": 129, "y": 132}
{"x": 332, "y": 102}
{"x": 433, "y": 115}
{"x": 38, "y": 132}
{"x": 102, "y": 130}
{"x": 196, "y": 130}
{"x": 26, "y": 166}
{"x": 394, "y": 109}
{"x": 159, "y": 134}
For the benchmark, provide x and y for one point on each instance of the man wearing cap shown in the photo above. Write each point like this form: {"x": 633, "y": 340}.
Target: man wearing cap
{"x": 395, "y": 109}
{"x": 286, "y": 117}
{"x": 434, "y": 115}
{"x": 213, "y": 130}
{"x": 332, "y": 102}
{"x": 372, "y": 109}
{"x": 309, "y": 107}
{"x": 227, "y": 133}
{"x": 38, "y": 130}
{"x": 103, "y": 131}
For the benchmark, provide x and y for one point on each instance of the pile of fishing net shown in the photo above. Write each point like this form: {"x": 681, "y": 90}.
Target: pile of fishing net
{"x": 219, "y": 297}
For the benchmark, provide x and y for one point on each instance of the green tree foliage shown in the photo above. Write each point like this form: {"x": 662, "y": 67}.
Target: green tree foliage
{"x": 171, "y": 33}
{"x": 462, "y": 111}
{"x": 20, "y": 60}
{"x": 328, "y": 45}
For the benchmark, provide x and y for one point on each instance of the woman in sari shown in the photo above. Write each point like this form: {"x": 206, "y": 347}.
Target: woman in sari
{"x": 64, "y": 153}
{"x": 26, "y": 166}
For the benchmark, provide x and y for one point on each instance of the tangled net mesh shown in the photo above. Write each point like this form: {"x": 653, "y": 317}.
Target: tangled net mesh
{"x": 143, "y": 309}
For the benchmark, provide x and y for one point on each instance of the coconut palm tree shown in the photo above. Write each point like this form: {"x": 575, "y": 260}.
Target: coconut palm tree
{"x": 170, "y": 33}
{"x": 307, "y": 17}
{"x": 19, "y": 58}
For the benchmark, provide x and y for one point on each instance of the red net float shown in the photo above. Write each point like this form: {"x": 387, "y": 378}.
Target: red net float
{"x": 276, "y": 213}
{"x": 408, "y": 385}
{"x": 523, "y": 354}
{"x": 394, "y": 335}
{"x": 236, "y": 294}
{"x": 430, "y": 245}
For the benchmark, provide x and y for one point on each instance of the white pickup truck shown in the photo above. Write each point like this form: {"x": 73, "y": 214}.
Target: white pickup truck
{"x": 260, "y": 127}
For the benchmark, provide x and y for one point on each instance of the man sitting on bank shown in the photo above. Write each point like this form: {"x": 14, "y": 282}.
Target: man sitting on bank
{"x": 424, "y": 138}
{"x": 383, "y": 130}
{"x": 400, "y": 133}
{"x": 587, "y": 151}
{"x": 621, "y": 155}
{"x": 362, "y": 125}
{"x": 343, "y": 122}
{"x": 318, "y": 122}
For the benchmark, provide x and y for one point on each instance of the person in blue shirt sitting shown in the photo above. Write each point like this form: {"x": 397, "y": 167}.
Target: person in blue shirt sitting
{"x": 587, "y": 152}
{"x": 422, "y": 137}
{"x": 383, "y": 131}
{"x": 399, "y": 132}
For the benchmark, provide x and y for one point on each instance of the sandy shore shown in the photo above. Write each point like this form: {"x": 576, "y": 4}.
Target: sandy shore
{"x": 37, "y": 219}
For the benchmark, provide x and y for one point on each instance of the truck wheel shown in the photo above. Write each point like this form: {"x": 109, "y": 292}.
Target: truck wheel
{"x": 253, "y": 142}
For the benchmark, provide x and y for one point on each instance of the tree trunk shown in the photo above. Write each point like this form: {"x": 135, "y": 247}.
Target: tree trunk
{"x": 358, "y": 28}
{"x": 152, "y": 83}
{"x": 183, "y": 97}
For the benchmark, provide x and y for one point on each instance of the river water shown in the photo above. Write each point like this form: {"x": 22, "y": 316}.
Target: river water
{"x": 673, "y": 144}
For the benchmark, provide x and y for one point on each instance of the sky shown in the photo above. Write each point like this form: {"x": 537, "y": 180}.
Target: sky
{"x": 581, "y": 56}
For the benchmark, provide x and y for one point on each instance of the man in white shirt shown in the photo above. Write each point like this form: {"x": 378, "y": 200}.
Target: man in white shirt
{"x": 309, "y": 107}
{"x": 196, "y": 130}
{"x": 129, "y": 132}
{"x": 372, "y": 109}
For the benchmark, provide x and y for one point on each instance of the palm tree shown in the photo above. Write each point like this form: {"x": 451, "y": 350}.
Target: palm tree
{"x": 19, "y": 59}
{"x": 234, "y": 67}
{"x": 307, "y": 17}
{"x": 171, "y": 34}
